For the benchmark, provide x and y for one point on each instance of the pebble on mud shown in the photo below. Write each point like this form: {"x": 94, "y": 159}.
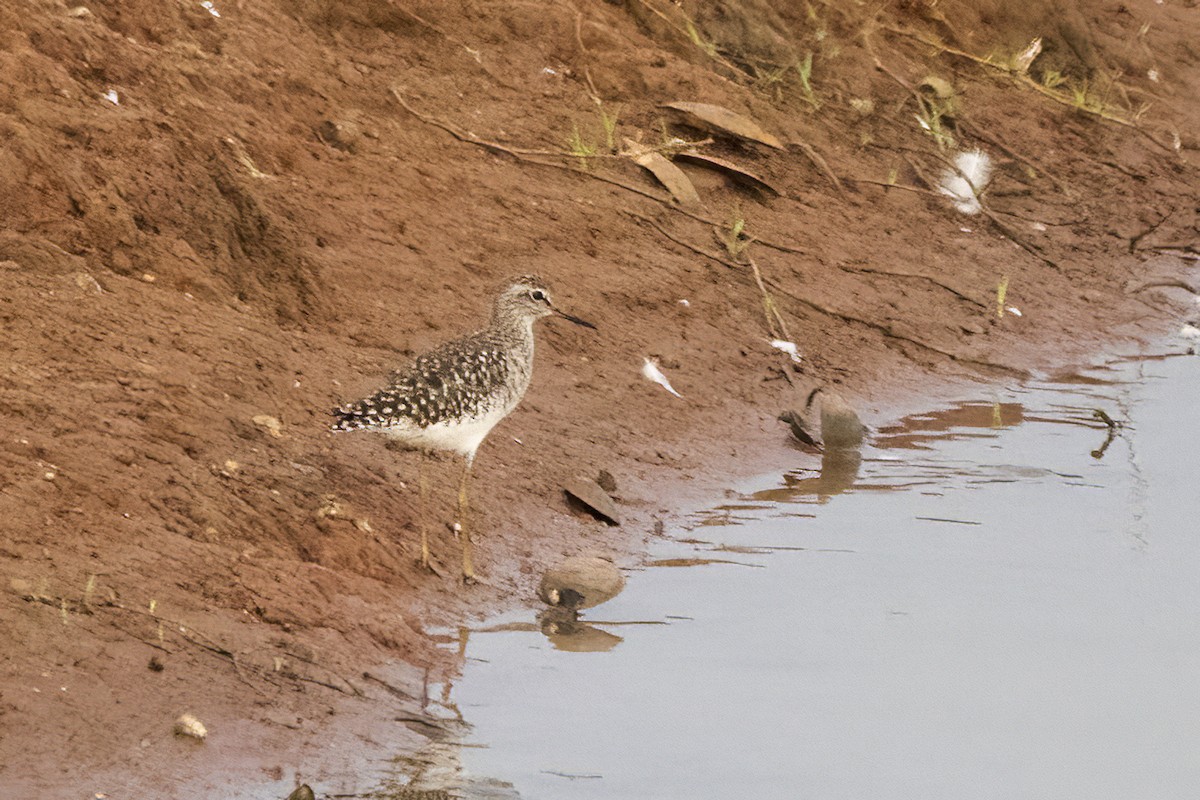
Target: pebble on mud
{"x": 581, "y": 582}
{"x": 188, "y": 725}
{"x": 342, "y": 134}
{"x": 606, "y": 481}
{"x": 301, "y": 792}
{"x": 269, "y": 423}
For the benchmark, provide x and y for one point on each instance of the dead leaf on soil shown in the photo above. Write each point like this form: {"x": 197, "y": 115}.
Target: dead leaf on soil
{"x": 669, "y": 175}
{"x": 729, "y": 168}
{"x": 726, "y": 121}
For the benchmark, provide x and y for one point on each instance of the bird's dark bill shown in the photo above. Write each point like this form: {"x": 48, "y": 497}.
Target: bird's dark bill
{"x": 576, "y": 320}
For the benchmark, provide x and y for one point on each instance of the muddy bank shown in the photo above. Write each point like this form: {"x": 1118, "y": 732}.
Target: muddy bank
{"x": 219, "y": 227}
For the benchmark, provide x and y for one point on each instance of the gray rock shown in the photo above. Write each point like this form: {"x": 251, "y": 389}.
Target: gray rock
{"x": 591, "y": 496}
{"x": 800, "y": 428}
{"x": 581, "y": 582}
{"x": 841, "y": 429}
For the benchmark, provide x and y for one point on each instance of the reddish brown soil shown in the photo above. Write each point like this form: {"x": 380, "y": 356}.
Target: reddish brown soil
{"x": 259, "y": 227}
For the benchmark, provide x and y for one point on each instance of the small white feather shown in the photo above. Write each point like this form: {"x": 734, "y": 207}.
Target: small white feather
{"x": 651, "y": 372}
{"x": 972, "y": 169}
{"x": 787, "y": 347}
{"x": 1016, "y": 312}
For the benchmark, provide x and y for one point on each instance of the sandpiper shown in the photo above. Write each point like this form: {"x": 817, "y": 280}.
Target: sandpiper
{"x": 451, "y": 397}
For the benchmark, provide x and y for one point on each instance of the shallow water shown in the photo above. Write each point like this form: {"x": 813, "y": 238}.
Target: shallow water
{"x": 981, "y": 608}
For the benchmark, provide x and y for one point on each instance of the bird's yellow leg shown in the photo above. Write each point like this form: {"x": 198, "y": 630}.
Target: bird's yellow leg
{"x": 422, "y": 506}
{"x": 464, "y": 523}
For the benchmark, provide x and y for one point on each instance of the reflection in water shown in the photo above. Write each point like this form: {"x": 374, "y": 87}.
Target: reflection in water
{"x": 961, "y": 420}
{"x": 839, "y": 471}
{"x": 984, "y": 605}
{"x": 567, "y": 632}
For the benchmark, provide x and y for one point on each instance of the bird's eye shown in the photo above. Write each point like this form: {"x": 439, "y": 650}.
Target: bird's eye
{"x": 538, "y": 295}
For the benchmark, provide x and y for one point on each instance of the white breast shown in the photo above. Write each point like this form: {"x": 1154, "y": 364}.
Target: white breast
{"x": 459, "y": 436}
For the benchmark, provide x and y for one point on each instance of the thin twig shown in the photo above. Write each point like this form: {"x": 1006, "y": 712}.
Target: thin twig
{"x": 819, "y": 161}
{"x": 681, "y": 30}
{"x": 583, "y": 54}
{"x": 395, "y": 691}
{"x": 1166, "y": 284}
{"x": 682, "y": 242}
{"x": 1028, "y": 82}
{"x": 886, "y": 330}
{"x": 980, "y": 133}
{"x": 769, "y": 307}
{"x": 523, "y": 156}
{"x": 902, "y": 186}
{"x": 1133, "y": 240}
{"x": 919, "y": 276}
{"x": 1019, "y": 241}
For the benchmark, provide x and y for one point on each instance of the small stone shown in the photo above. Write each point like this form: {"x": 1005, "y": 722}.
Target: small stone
{"x": 589, "y": 494}
{"x": 581, "y": 582}
{"x": 148, "y": 278}
{"x": 342, "y": 134}
{"x": 972, "y": 328}
{"x": 80, "y": 12}
{"x": 269, "y": 423}
{"x": 88, "y": 283}
{"x": 301, "y": 792}
{"x": 50, "y": 476}
{"x": 606, "y": 481}
{"x": 20, "y": 586}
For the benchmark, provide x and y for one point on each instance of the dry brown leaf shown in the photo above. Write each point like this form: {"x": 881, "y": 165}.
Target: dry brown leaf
{"x": 669, "y": 175}
{"x": 728, "y": 167}
{"x": 724, "y": 120}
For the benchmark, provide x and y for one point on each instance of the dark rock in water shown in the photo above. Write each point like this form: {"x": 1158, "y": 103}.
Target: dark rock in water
{"x": 302, "y": 792}
{"x": 591, "y": 496}
{"x": 581, "y": 582}
{"x": 841, "y": 429}
{"x": 799, "y": 428}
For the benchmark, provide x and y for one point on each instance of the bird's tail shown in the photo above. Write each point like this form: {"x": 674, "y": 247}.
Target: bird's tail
{"x": 348, "y": 418}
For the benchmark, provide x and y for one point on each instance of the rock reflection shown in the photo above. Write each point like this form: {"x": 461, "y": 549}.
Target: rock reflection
{"x": 566, "y": 631}
{"x": 839, "y": 472}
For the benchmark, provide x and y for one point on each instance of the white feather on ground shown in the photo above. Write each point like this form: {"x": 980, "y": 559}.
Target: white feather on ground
{"x": 1190, "y": 333}
{"x": 787, "y": 347}
{"x": 651, "y": 372}
{"x": 972, "y": 169}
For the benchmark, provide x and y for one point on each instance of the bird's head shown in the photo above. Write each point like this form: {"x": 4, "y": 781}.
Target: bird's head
{"x": 528, "y": 297}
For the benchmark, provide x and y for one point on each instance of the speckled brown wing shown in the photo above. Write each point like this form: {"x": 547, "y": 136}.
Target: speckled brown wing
{"x": 458, "y": 380}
